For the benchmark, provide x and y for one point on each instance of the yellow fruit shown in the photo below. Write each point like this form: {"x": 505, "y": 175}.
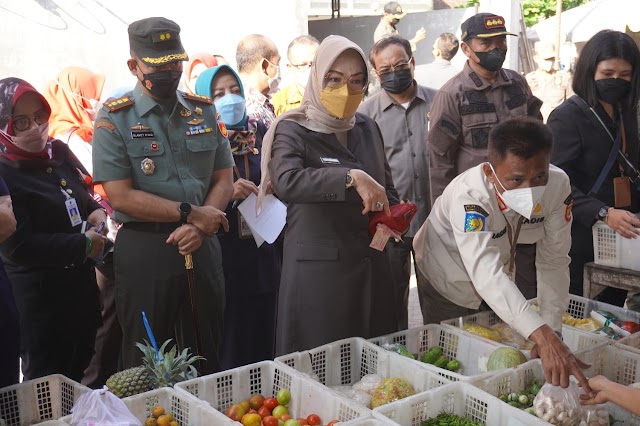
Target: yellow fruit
{"x": 157, "y": 411}
{"x": 174, "y": 423}
{"x": 164, "y": 420}
{"x": 170, "y": 416}
{"x": 481, "y": 331}
{"x": 151, "y": 421}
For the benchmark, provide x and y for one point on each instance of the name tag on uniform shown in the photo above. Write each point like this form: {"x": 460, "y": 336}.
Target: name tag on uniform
{"x": 327, "y": 160}
{"x": 72, "y": 211}
{"x": 142, "y": 134}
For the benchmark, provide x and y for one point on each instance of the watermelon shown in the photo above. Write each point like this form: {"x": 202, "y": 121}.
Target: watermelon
{"x": 506, "y": 357}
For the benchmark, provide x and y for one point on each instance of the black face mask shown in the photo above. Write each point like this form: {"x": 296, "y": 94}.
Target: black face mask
{"x": 491, "y": 60}
{"x": 612, "y": 90}
{"x": 396, "y": 81}
{"x": 162, "y": 84}
{"x": 394, "y": 22}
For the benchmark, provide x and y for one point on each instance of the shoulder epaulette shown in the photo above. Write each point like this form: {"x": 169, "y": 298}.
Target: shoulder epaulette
{"x": 116, "y": 104}
{"x": 198, "y": 98}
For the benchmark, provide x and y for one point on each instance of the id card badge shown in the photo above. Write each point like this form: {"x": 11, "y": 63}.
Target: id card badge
{"x": 72, "y": 211}
{"x": 244, "y": 232}
{"x": 622, "y": 191}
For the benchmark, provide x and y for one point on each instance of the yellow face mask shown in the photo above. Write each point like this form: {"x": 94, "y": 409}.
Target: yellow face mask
{"x": 341, "y": 102}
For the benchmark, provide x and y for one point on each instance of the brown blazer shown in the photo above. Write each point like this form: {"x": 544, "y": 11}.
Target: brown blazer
{"x": 333, "y": 284}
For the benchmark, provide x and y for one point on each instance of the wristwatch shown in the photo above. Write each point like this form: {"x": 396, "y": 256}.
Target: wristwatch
{"x": 603, "y": 213}
{"x": 184, "y": 209}
{"x": 349, "y": 181}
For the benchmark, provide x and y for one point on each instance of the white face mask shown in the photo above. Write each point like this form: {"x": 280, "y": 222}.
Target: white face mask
{"x": 31, "y": 140}
{"x": 520, "y": 200}
{"x": 302, "y": 77}
{"x": 275, "y": 81}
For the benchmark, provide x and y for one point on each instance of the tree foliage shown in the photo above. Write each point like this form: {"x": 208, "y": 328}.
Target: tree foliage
{"x": 536, "y": 10}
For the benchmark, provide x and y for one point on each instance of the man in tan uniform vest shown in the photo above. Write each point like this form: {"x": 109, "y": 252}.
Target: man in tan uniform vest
{"x": 550, "y": 86}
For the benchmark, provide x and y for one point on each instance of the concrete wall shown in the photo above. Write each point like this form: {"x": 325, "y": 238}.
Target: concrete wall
{"x": 40, "y": 37}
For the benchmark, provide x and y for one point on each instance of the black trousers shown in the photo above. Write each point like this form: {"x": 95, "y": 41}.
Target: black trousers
{"x": 400, "y": 257}
{"x": 150, "y": 276}
{"x": 109, "y": 336}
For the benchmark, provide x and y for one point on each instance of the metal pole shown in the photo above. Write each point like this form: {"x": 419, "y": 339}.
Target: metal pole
{"x": 558, "y": 31}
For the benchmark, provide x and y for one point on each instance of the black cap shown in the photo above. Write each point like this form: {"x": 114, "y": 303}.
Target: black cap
{"x": 156, "y": 41}
{"x": 484, "y": 25}
{"x": 394, "y": 8}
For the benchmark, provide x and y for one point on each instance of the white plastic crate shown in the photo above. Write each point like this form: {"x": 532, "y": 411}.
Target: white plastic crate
{"x": 472, "y": 351}
{"x": 574, "y": 338}
{"x": 581, "y": 307}
{"x": 515, "y": 379}
{"x": 631, "y": 343}
{"x": 346, "y": 361}
{"x": 367, "y": 422}
{"x": 187, "y": 411}
{"x": 222, "y": 389}
{"x": 34, "y": 401}
{"x": 458, "y": 398}
{"x": 618, "y": 365}
{"x": 610, "y": 249}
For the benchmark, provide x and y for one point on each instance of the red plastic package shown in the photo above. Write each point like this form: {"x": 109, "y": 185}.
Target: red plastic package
{"x": 400, "y": 219}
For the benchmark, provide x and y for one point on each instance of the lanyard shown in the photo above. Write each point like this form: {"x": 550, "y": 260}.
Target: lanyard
{"x": 246, "y": 168}
{"x": 513, "y": 242}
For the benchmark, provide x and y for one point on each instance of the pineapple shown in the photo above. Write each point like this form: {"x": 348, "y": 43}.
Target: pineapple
{"x": 130, "y": 382}
{"x": 162, "y": 370}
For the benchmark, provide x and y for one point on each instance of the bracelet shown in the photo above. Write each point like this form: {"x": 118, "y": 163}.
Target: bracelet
{"x": 89, "y": 246}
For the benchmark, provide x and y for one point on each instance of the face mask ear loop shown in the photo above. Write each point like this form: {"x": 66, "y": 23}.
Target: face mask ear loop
{"x": 495, "y": 175}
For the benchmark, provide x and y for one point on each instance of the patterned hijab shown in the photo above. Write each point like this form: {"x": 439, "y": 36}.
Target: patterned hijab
{"x": 242, "y": 136}
{"x": 69, "y": 95}
{"x": 312, "y": 114}
{"x": 11, "y": 90}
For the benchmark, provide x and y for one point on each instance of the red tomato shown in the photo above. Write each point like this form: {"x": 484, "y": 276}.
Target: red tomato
{"x": 332, "y": 422}
{"x": 252, "y": 411}
{"x": 313, "y": 420}
{"x": 271, "y": 403}
{"x": 284, "y": 417}
{"x": 303, "y": 421}
{"x": 270, "y": 421}
{"x": 630, "y": 326}
{"x": 264, "y": 412}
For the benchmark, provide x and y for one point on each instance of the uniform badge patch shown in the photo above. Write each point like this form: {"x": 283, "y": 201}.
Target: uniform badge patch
{"x": 198, "y": 110}
{"x": 195, "y": 121}
{"x": 185, "y": 112}
{"x": 475, "y": 218}
{"x": 473, "y": 222}
{"x": 223, "y": 129}
{"x": 106, "y": 124}
{"x": 567, "y": 211}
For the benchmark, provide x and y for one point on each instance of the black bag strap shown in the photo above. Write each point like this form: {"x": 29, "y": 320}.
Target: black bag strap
{"x": 615, "y": 149}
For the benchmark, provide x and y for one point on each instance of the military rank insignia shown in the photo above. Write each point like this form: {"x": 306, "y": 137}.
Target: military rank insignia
{"x": 474, "y": 218}
{"x": 223, "y": 129}
{"x": 197, "y": 130}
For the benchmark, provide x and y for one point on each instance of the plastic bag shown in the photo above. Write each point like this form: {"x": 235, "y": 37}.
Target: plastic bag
{"x": 594, "y": 415}
{"x": 368, "y": 383}
{"x": 398, "y": 348}
{"x": 510, "y": 337}
{"x": 559, "y": 406}
{"x": 101, "y": 407}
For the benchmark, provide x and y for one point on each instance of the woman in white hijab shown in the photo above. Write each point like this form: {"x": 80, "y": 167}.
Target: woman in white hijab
{"x": 327, "y": 163}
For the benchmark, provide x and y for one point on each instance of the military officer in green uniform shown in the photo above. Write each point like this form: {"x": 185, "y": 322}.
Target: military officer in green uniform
{"x": 551, "y": 86}
{"x": 166, "y": 165}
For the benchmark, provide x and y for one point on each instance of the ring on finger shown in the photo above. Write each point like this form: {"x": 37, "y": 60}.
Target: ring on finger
{"x": 379, "y": 205}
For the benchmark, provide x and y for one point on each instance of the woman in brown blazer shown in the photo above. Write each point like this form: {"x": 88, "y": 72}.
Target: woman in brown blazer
{"x": 327, "y": 164}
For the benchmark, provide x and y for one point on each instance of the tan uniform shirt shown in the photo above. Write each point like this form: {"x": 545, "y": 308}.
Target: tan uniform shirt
{"x": 552, "y": 89}
{"x": 462, "y": 114}
{"x": 464, "y": 249}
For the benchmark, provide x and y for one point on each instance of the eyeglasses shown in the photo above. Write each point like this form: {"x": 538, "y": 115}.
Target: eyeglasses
{"x": 302, "y": 67}
{"x": 356, "y": 82}
{"x": 397, "y": 67}
{"x": 23, "y": 122}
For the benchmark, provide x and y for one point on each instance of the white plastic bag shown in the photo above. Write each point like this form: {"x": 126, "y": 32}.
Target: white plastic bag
{"x": 595, "y": 415}
{"x": 101, "y": 407}
{"x": 559, "y": 406}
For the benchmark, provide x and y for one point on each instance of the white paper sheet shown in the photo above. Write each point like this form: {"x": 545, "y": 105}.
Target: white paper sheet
{"x": 268, "y": 225}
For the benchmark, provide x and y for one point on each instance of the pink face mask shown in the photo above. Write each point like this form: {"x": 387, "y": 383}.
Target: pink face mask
{"x": 33, "y": 139}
